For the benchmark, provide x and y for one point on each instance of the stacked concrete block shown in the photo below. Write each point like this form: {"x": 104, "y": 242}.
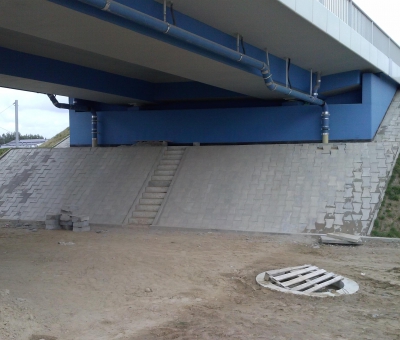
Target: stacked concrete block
{"x": 53, "y": 222}
{"x": 68, "y": 221}
{"x": 80, "y": 223}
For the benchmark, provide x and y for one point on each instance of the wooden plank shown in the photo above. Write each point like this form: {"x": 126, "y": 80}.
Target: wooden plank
{"x": 345, "y": 237}
{"x": 324, "y": 284}
{"x": 284, "y": 270}
{"x": 294, "y": 273}
{"x": 303, "y": 278}
{"x": 313, "y": 282}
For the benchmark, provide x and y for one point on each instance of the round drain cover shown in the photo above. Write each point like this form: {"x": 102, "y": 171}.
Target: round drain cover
{"x": 307, "y": 280}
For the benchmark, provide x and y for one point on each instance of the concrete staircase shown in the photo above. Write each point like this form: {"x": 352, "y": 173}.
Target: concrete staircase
{"x": 157, "y": 188}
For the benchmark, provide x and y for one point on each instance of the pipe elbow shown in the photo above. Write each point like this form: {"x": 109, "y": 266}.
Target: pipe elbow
{"x": 54, "y": 100}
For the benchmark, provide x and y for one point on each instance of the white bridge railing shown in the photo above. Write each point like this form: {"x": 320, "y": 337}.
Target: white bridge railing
{"x": 352, "y": 15}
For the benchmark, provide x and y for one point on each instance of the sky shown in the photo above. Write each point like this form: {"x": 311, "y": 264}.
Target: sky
{"x": 38, "y": 116}
{"x": 36, "y": 113}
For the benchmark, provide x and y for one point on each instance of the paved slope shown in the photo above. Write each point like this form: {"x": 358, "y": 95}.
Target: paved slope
{"x": 102, "y": 183}
{"x": 285, "y": 188}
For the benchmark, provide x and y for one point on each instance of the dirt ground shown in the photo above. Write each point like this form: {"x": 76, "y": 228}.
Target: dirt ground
{"x": 159, "y": 284}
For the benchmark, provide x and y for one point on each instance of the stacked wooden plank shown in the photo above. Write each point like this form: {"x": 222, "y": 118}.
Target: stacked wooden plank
{"x": 305, "y": 279}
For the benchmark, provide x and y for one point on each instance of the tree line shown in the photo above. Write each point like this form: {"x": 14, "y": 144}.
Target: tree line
{"x": 10, "y": 136}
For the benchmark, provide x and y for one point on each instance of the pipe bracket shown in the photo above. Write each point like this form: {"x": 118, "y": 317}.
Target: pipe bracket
{"x": 169, "y": 27}
{"x": 107, "y": 6}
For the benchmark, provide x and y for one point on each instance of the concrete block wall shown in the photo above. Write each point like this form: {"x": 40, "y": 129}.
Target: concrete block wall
{"x": 101, "y": 183}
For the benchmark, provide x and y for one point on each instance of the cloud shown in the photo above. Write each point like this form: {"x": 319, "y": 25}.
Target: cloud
{"x": 36, "y": 113}
{"x": 385, "y": 14}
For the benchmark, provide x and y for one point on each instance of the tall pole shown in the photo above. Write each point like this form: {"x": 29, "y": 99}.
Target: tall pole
{"x": 16, "y": 125}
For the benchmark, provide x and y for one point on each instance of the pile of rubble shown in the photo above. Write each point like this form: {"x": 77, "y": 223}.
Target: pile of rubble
{"x": 68, "y": 221}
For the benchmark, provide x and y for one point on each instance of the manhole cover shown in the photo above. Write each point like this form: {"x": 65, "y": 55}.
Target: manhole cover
{"x": 307, "y": 280}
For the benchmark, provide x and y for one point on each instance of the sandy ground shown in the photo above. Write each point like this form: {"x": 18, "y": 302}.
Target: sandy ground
{"x": 151, "y": 284}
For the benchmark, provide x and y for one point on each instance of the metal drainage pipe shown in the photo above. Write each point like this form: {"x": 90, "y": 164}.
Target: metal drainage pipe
{"x": 325, "y": 124}
{"x": 76, "y": 107}
{"x": 94, "y": 128}
{"x": 157, "y": 25}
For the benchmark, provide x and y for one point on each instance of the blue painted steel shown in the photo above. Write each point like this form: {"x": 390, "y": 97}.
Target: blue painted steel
{"x": 340, "y": 82}
{"x": 191, "y": 90}
{"x": 29, "y": 66}
{"x": 351, "y": 97}
{"x": 379, "y": 91}
{"x": 23, "y": 65}
{"x": 200, "y": 42}
{"x": 241, "y": 125}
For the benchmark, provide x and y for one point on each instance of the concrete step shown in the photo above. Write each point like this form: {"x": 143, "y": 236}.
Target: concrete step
{"x": 156, "y": 189}
{"x": 162, "y": 178}
{"x": 164, "y": 172}
{"x": 151, "y": 201}
{"x": 153, "y": 195}
{"x": 179, "y": 157}
{"x": 176, "y": 148}
{"x": 147, "y": 214}
{"x": 147, "y": 207}
{"x": 174, "y": 152}
{"x": 167, "y": 167}
{"x": 141, "y": 220}
{"x": 169, "y": 162}
{"x": 159, "y": 183}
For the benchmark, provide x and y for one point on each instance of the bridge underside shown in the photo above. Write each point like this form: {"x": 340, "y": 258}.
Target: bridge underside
{"x": 145, "y": 85}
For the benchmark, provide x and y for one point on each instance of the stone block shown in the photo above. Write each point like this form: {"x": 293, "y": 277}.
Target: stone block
{"x": 81, "y": 224}
{"x": 65, "y": 217}
{"x": 52, "y": 225}
{"x": 79, "y": 218}
{"x": 66, "y": 223}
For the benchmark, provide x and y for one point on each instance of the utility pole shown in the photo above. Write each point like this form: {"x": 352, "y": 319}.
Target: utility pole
{"x": 16, "y": 125}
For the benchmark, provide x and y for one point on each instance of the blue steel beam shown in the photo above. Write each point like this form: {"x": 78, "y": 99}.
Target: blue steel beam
{"x": 28, "y": 66}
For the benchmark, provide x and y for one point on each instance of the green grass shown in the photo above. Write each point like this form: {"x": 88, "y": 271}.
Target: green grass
{"x": 3, "y": 151}
{"x": 387, "y": 223}
{"x": 52, "y": 142}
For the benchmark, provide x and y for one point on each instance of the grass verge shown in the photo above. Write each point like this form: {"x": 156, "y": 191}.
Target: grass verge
{"x": 3, "y": 151}
{"x": 387, "y": 224}
{"x": 52, "y": 142}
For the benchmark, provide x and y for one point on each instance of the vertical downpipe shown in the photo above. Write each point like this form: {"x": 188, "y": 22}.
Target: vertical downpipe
{"x": 94, "y": 128}
{"x": 325, "y": 124}
{"x": 165, "y": 10}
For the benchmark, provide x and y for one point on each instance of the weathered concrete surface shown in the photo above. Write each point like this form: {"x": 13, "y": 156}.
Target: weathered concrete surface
{"x": 101, "y": 183}
{"x": 285, "y": 188}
